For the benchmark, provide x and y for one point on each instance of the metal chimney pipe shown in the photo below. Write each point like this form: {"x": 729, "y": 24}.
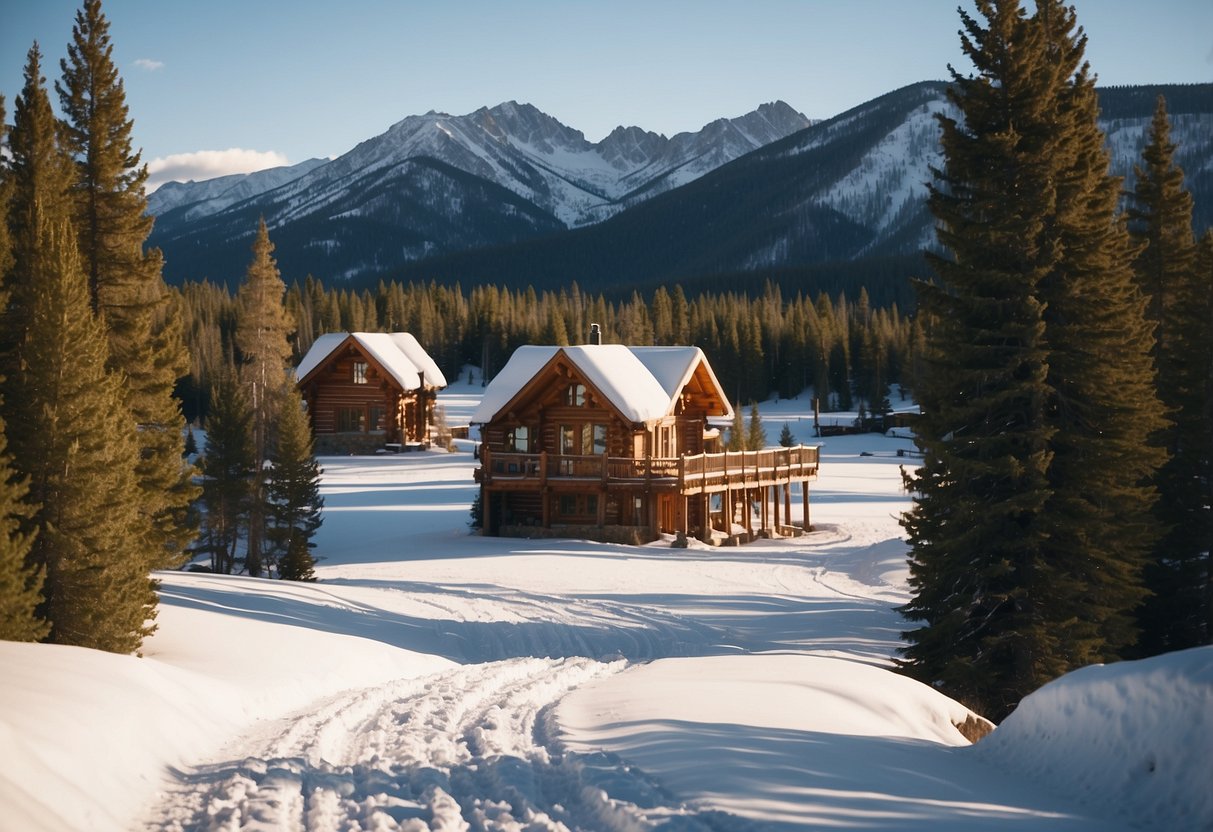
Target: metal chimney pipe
{"x": 595, "y": 334}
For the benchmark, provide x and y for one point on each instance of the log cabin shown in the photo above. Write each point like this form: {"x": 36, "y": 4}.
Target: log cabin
{"x": 609, "y": 442}
{"x": 366, "y": 391}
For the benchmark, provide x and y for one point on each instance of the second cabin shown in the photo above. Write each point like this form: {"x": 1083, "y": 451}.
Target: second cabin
{"x": 366, "y": 391}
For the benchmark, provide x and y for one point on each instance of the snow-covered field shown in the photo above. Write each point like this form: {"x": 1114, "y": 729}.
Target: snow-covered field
{"x": 433, "y": 679}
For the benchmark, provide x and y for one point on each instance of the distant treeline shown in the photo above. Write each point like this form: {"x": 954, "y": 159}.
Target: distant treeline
{"x": 759, "y": 345}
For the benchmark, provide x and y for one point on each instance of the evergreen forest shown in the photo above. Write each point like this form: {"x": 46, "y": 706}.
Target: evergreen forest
{"x": 759, "y": 345}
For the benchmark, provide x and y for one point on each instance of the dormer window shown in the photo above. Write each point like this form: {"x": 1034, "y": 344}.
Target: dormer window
{"x": 574, "y": 396}
{"x": 359, "y": 372}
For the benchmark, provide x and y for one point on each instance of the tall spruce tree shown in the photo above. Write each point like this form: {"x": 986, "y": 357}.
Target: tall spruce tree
{"x": 20, "y": 582}
{"x": 263, "y": 330}
{"x": 1176, "y": 615}
{"x": 39, "y": 175}
{"x": 126, "y": 288}
{"x": 1101, "y": 378}
{"x": 293, "y": 494}
{"x": 66, "y": 425}
{"x": 1028, "y": 525}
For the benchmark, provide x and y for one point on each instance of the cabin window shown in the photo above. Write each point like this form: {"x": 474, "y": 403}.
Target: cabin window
{"x": 350, "y": 419}
{"x": 518, "y": 440}
{"x": 583, "y": 440}
{"x": 359, "y": 372}
{"x": 377, "y": 412}
{"x": 578, "y": 506}
{"x": 574, "y": 396}
{"x": 665, "y": 442}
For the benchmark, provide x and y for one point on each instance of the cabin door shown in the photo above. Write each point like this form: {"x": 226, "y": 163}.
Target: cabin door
{"x": 665, "y": 513}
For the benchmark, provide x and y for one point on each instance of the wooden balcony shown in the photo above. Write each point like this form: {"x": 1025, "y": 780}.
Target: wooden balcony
{"x": 685, "y": 475}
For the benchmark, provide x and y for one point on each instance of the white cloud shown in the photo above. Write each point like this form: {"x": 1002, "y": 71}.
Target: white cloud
{"x": 150, "y": 64}
{"x": 208, "y": 164}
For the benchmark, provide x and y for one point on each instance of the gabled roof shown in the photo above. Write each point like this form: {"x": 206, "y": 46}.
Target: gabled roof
{"x": 641, "y": 383}
{"x": 398, "y": 353}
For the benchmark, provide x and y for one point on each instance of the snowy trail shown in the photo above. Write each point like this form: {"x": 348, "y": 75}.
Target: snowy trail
{"x": 466, "y": 749}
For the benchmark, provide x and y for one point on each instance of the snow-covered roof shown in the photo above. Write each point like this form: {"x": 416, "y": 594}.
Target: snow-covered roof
{"x": 398, "y": 353}
{"x": 640, "y": 382}
{"x": 671, "y": 366}
{"x": 409, "y": 345}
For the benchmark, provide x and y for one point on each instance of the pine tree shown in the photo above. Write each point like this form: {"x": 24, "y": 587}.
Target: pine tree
{"x": 785, "y": 436}
{"x": 6, "y": 242}
{"x": 262, "y": 337}
{"x": 20, "y": 582}
{"x": 1160, "y": 213}
{"x": 39, "y": 177}
{"x": 128, "y": 293}
{"x": 737, "y": 431}
{"x": 293, "y": 494}
{"x": 227, "y": 466}
{"x": 1101, "y": 377}
{"x": 756, "y": 434}
{"x": 78, "y": 445}
{"x": 979, "y": 536}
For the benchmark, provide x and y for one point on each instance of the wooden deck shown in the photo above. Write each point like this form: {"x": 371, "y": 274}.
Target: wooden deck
{"x": 686, "y": 475}
{"x": 704, "y": 493}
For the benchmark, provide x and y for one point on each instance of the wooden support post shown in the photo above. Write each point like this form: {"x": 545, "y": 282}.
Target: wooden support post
{"x": 787, "y": 503}
{"x": 804, "y": 495}
{"x": 486, "y": 513}
{"x": 705, "y": 526}
{"x": 726, "y": 509}
{"x": 775, "y": 503}
{"x": 749, "y": 511}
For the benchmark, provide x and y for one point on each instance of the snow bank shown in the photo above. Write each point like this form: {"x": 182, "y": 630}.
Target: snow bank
{"x": 88, "y": 737}
{"x": 779, "y": 739}
{"x": 1133, "y": 738}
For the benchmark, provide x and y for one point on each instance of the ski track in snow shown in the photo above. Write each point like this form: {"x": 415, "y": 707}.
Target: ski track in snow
{"x": 474, "y": 747}
{"x": 469, "y": 749}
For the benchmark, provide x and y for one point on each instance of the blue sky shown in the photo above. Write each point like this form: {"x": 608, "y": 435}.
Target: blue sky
{"x": 283, "y": 81}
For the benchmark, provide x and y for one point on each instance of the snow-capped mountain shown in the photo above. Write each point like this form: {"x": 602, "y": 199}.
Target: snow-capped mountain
{"x": 212, "y": 195}
{"x": 510, "y": 195}
{"x": 441, "y": 183}
{"x": 518, "y": 147}
{"x": 850, "y": 190}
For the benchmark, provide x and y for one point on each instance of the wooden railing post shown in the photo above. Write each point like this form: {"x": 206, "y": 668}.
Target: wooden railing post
{"x": 486, "y": 466}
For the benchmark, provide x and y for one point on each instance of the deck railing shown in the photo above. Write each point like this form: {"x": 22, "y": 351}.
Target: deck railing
{"x": 691, "y": 474}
